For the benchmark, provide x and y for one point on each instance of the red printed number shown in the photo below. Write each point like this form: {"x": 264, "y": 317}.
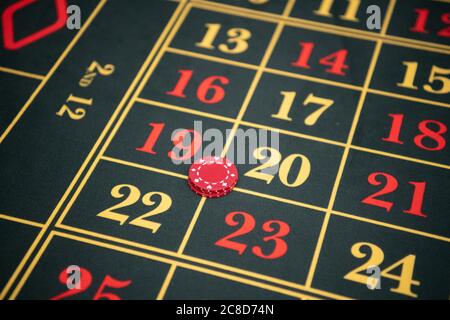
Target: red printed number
{"x": 8, "y": 24}
{"x": 85, "y": 283}
{"x": 280, "y": 228}
{"x": 189, "y": 148}
{"x": 429, "y": 139}
{"x": 209, "y": 91}
{"x": 335, "y": 61}
{"x": 390, "y": 185}
{"x": 420, "y": 25}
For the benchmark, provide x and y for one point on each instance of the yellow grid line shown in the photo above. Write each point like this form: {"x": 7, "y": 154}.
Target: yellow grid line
{"x": 367, "y": 80}
{"x": 244, "y": 272}
{"x": 391, "y": 226}
{"x": 325, "y": 27}
{"x": 409, "y": 230}
{"x": 20, "y": 220}
{"x": 306, "y": 77}
{"x": 22, "y": 73}
{"x": 242, "y": 110}
{"x": 280, "y": 199}
{"x": 171, "y": 262}
{"x": 164, "y": 105}
{"x": 211, "y": 264}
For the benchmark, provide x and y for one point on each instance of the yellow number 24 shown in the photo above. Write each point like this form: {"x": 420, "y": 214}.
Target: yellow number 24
{"x": 376, "y": 258}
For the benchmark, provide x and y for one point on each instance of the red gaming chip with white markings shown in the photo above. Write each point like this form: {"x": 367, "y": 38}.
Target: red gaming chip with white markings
{"x": 213, "y": 175}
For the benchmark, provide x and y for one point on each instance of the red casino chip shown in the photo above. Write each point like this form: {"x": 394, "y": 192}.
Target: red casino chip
{"x": 212, "y": 194}
{"x": 209, "y": 194}
{"x": 212, "y": 176}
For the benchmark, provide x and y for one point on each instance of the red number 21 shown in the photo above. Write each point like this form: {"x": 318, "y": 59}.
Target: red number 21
{"x": 390, "y": 185}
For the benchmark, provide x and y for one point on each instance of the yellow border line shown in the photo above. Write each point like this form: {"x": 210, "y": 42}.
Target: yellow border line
{"x": 408, "y": 98}
{"x": 208, "y": 263}
{"x": 181, "y": 176}
{"x": 154, "y": 103}
{"x": 327, "y": 27}
{"x": 20, "y": 220}
{"x": 167, "y": 280}
{"x": 142, "y": 167}
{"x": 202, "y": 56}
{"x": 22, "y": 73}
{"x": 294, "y": 75}
{"x": 54, "y": 234}
{"x": 401, "y": 157}
{"x": 274, "y": 198}
{"x": 391, "y": 226}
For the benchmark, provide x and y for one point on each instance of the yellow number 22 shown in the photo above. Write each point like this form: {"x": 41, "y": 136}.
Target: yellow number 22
{"x": 134, "y": 194}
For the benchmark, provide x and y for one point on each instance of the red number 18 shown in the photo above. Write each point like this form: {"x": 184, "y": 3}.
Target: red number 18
{"x": 426, "y": 132}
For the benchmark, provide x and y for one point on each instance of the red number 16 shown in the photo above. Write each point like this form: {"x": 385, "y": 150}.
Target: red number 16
{"x": 208, "y": 92}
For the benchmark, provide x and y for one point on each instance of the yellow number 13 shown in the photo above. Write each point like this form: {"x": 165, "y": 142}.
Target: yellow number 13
{"x": 237, "y": 37}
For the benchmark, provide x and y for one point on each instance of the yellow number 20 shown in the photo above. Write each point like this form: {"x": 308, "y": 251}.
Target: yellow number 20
{"x": 273, "y": 160}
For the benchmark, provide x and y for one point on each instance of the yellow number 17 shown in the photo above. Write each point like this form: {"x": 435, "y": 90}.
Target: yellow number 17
{"x": 288, "y": 101}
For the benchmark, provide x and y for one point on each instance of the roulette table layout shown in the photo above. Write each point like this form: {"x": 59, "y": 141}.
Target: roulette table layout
{"x": 99, "y": 124}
